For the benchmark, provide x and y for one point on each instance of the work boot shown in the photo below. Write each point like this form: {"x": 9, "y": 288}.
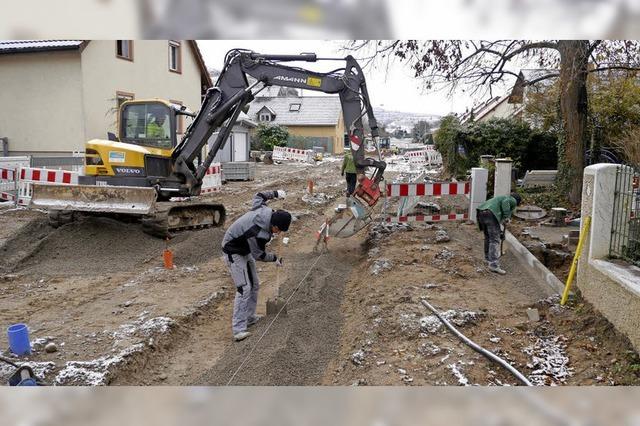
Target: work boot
{"x": 497, "y": 269}
{"x": 241, "y": 335}
{"x": 253, "y": 320}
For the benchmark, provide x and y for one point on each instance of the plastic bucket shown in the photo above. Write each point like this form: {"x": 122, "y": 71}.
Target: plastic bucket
{"x": 19, "y": 339}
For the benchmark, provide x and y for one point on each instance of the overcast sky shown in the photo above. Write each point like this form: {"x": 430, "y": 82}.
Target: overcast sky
{"x": 393, "y": 89}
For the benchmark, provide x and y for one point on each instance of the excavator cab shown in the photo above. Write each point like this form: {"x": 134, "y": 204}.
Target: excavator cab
{"x": 147, "y": 135}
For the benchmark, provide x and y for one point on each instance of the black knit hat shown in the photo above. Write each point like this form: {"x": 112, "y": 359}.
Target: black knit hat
{"x": 517, "y": 197}
{"x": 281, "y": 219}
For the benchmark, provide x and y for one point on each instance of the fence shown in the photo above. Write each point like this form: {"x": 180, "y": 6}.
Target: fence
{"x": 309, "y": 142}
{"x": 625, "y": 227}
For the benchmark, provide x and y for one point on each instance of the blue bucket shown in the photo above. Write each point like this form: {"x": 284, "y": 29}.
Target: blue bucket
{"x": 19, "y": 339}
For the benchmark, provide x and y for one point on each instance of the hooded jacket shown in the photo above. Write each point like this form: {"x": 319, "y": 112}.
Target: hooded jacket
{"x": 250, "y": 233}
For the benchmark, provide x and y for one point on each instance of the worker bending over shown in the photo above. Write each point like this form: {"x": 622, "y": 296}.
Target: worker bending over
{"x": 244, "y": 243}
{"x": 492, "y": 214}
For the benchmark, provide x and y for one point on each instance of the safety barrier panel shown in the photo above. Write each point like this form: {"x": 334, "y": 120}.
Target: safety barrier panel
{"x": 293, "y": 154}
{"x": 428, "y": 157}
{"x": 410, "y": 194}
{"x": 212, "y": 180}
{"x": 7, "y": 184}
{"x": 17, "y": 185}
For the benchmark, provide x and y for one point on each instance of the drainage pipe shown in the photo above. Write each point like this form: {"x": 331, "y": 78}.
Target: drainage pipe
{"x": 478, "y": 348}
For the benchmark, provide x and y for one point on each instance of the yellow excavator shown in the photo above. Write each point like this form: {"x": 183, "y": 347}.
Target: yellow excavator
{"x": 144, "y": 170}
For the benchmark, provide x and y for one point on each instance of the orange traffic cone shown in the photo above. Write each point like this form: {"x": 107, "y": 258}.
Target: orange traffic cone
{"x": 167, "y": 257}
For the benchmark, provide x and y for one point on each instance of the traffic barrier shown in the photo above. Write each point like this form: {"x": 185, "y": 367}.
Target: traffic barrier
{"x": 409, "y": 195}
{"x": 27, "y": 176}
{"x": 293, "y": 154}
{"x": 428, "y": 157}
{"x": 17, "y": 185}
{"x": 7, "y": 184}
{"x": 212, "y": 180}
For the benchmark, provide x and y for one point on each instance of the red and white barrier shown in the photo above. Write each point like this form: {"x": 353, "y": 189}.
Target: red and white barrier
{"x": 428, "y": 156}
{"x": 17, "y": 185}
{"x": 428, "y": 218}
{"x": 212, "y": 180}
{"x": 436, "y": 189}
{"x": 410, "y": 194}
{"x": 7, "y": 184}
{"x": 293, "y": 154}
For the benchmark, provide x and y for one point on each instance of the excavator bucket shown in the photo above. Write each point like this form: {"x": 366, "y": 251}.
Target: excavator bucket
{"x": 92, "y": 198}
{"x": 347, "y": 220}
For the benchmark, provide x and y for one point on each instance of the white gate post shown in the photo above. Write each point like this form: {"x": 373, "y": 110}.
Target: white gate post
{"x": 502, "y": 185}
{"x": 479, "y": 178}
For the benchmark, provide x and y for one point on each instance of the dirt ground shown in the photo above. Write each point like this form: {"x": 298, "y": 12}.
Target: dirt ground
{"x": 97, "y": 290}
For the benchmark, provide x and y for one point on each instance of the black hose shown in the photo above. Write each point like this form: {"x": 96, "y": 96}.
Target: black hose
{"x": 11, "y": 363}
{"x": 478, "y": 348}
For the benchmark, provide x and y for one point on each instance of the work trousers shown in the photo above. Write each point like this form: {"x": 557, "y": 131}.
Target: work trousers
{"x": 351, "y": 182}
{"x": 245, "y": 276}
{"x": 489, "y": 224}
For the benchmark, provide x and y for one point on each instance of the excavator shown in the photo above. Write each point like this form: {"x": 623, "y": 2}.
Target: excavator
{"x": 143, "y": 170}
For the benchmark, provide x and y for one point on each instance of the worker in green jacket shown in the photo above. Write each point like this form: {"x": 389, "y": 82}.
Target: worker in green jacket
{"x": 492, "y": 214}
{"x": 155, "y": 129}
{"x": 349, "y": 169}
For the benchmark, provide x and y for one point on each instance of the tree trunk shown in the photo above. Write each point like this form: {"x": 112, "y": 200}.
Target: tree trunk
{"x": 574, "y": 59}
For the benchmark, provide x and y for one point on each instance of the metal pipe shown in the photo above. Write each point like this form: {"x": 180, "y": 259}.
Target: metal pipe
{"x": 576, "y": 257}
{"x": 478, "y": 348}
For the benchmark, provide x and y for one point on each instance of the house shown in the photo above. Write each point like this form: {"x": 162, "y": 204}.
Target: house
{"x": 496, "y": 107}
{"x": 529, "y": 80}
{"x": 238, "y": 144}
{"x": 58, "y": 94}
{"x": 312, "y": 121}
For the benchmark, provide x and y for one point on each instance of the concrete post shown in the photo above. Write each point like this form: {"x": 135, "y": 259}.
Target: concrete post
{"x": 479, "y": 178}
{"x": 598, "y": 198}
{"x": 502, "y": 185}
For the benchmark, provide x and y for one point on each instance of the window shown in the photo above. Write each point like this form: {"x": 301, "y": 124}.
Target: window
{"x": 124, "y": 49}
{"x": 294, "y": 107}
{"x": 265, "y": 116}
{"x": 147, "y": 124}
{"x": 179, "y": 120}
{"x": 175, "y": 56}
{"x": 122, "y": 97}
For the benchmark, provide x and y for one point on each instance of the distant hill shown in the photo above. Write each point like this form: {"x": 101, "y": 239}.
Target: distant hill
{"x": 392, "y": 120}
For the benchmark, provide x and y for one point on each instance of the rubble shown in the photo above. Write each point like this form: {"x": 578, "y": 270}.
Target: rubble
{"x": 357, "y": 358}
{"x": 379, "y": 266}
{"x": 457, "y": 372}
{"x": 442, "y": 236}
{"x": 431, "y": 324}
{"x": 318, "y": 198}
{"x": 549, "y": 361}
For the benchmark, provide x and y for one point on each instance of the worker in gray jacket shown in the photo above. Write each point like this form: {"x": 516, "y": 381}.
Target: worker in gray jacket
{"x": 244, "y": 243}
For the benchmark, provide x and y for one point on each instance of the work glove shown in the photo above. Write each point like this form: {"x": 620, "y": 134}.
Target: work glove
{"x": 280, "y": 193}
{"x": 240, "y": 290}
{"x": 279, "y": 261}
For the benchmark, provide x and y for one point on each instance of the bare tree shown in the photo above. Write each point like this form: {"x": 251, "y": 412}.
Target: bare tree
{"x": 476, "y": 66}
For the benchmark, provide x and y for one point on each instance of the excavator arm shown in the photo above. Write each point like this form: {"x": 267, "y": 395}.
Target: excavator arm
{"x": 223, "y": 104}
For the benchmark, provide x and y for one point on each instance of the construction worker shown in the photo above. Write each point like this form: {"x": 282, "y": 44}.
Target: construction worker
{"x": 243, "y": 244}
{"x": 492, "y": 214}
{"x": 154, "y": 126}
{"x": 349, "y": 168}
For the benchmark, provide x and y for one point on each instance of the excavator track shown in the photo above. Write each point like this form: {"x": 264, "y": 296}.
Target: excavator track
{"x": 171, "y": 217}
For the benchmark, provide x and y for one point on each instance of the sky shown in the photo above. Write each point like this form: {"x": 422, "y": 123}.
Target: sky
{"x": 394, "y": 89}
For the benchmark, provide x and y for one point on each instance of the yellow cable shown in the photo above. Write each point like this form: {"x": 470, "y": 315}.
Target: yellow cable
{"x": 576, "y": 257}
